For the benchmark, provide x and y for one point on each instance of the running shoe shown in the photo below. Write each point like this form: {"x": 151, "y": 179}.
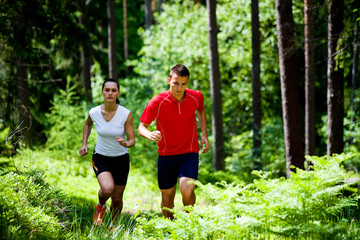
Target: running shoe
{"x": 98, "y": 217}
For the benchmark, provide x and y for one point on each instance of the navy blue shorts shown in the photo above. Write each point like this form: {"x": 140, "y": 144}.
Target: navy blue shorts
{"x": 174, "y": 166}
{"x": 118, "y": 166}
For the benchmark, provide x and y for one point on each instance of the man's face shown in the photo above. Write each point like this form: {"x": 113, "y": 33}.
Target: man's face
{"x": 178, "y": 85}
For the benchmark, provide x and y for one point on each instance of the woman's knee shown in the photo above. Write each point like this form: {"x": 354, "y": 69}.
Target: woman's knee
{"x": 107, "y": 190}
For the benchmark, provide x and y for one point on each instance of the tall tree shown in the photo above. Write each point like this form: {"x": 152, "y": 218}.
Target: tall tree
{"x": 148, "y": 14}
{"x": 256, "y": 84}
{"x": 215, "y": 88}
{"x": 310, "y": 146}
{"x": 354, "y": 73}
{"x": 289, "y": 86}
{"x": 335, "y": 79}
{"x": 20, "y": 26}
{"x": 113, "y": 68}
{"x": 86, "y": 51}
{"x": 159, "y": 6}
{"x": 126, "y": 48}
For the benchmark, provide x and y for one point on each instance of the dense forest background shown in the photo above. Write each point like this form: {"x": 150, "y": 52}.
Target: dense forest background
{"x": 56, "y": 54}
{"x": 49, "y": 46}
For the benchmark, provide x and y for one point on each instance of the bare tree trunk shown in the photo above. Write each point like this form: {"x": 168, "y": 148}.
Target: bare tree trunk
{"x": 25, "y": 121}
{"x": 310, "y": 146}
{"x": 126, "y": 48}
{"x": 335, "y": 88}
{"x": 86, "y": 53}
{"x": 113, "y": 68}
{"x": 354, "y": 82}
{"x": 23, "y": 95}
{"x": 148, "y": 14}
{"x": 289, "y": 86}
{"x": 215, "y": 88}
{"x": 159, "y": 6}
{"x": 256, "y": 84}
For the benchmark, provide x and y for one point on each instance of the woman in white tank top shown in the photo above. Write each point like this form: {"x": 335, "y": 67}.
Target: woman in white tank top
{"x": 110, "y": 159}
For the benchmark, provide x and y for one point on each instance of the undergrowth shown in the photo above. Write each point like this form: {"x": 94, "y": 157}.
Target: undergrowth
{"x": 317, "y": 204}
{"x": 31, "y": 208}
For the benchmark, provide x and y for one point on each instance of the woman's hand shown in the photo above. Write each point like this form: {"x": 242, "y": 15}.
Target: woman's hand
{"x": 122, "y": 141}
{"x": 83, "y": 151}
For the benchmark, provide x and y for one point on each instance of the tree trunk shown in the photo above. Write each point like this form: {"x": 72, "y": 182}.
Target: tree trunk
{"x": 215, "y": 89}
{"x": 256, "y": 84}
{"x": 126, "y": 48}
{"x": 354, "y": 82}
{"x": 86, "y": 53}
{"x": 159, "y": 6}
{"x": 112, "y": 40}
{"x": 25, "y": 121}
{"x": 289, "y": 86}
{"x": 335, "y": 75}
{"x": 148, "y": 14}
{"x": 20, "y": 27}
{"x": 310, "y": 146}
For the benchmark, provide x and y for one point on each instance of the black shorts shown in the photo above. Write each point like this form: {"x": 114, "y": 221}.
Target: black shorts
{"x": 118, "y": 166}
{"x": 174, "y": 166}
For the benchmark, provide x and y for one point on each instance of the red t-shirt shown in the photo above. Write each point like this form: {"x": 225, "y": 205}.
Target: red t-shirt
{"x": 176, "y": 121}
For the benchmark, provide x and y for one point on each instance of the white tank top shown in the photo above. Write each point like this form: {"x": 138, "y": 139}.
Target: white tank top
{"x": 107, "y": 131}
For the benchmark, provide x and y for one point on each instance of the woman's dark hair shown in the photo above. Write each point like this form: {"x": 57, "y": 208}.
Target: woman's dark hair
{"x": 112, "y": 80}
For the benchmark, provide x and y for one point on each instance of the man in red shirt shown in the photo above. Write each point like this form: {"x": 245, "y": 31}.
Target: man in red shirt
{"x": 176, "y": 135}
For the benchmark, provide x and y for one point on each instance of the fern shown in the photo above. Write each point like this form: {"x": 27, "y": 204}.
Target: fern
{"x": 310, "y": 204}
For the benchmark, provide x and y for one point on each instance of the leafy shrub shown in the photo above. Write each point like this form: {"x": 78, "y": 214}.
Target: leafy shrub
{"x": 66, "y": 121}
{"x": 309, "y": 205}
{"x": 241, "y": 163}
{"x": 31, "y": 208}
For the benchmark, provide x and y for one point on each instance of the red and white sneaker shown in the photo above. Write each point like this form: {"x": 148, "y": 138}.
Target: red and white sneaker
{"x": 98, "y": 217}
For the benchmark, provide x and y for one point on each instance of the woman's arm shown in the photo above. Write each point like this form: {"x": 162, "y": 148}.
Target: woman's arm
{"x": 86, "y": 133}
{"x": 130, "y": 133}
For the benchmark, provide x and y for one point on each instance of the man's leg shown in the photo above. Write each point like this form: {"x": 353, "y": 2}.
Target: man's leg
{"x": 167, "y": 200}
{"x": 117, "y": 202}
{"x": 187, "y": 191}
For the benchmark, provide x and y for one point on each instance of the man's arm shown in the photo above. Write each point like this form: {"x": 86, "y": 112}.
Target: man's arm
{"x": 204, "y": 137}
{"x": 143, "y": 131}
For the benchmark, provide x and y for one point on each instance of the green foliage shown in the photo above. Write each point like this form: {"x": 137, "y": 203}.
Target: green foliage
{"x": 241, "y": 162}
{"x": 66, "y": 120}
{"x": 5, "y": 145}
{"x": 309, "y": 205}
{"x": 31, "y": 208}
{"x": 181, "y": 36}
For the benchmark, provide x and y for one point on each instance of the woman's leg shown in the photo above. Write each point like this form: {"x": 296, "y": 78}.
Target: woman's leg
{"x": 107, "y": 186}
{"x": 117, "y": 202}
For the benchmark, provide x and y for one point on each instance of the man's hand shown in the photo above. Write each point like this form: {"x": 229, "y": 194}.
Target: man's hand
{"x": 204, "y": 141}
{"x": 155, "y": 136}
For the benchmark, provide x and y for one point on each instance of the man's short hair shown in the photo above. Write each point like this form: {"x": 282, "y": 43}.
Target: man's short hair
{"x": 180, "y": 70}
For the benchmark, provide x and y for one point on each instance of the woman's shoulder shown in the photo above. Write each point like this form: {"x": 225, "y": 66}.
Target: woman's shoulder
{"x": 123, "y": 109}
{"x": 95, "y": 110}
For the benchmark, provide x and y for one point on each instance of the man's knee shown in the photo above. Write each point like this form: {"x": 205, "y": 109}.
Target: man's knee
{"x": 168, "y": 196}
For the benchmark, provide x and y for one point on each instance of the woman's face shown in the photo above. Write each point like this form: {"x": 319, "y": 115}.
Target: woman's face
{"x": 110, "y": 92}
